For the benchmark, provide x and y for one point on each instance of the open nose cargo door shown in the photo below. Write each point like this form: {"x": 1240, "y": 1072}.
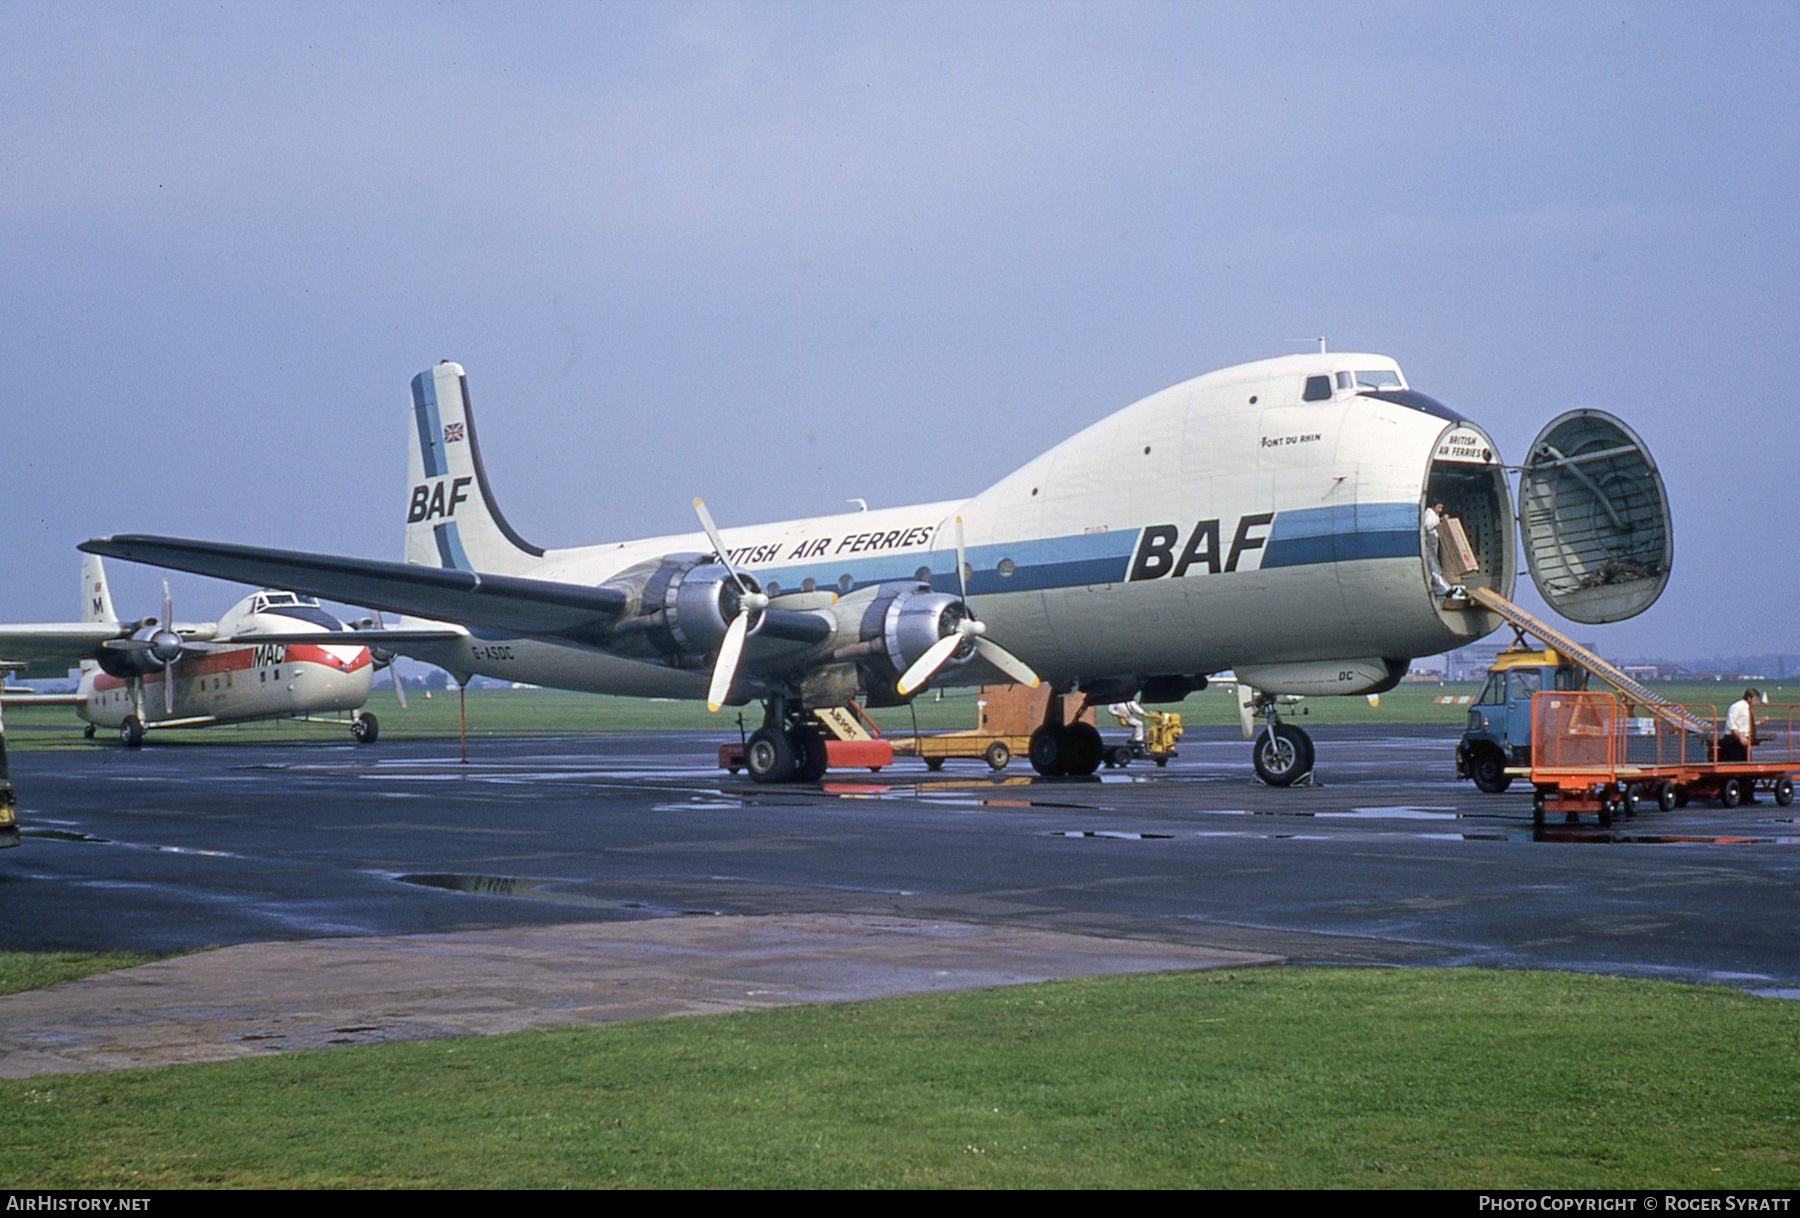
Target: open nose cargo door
{"x": 1594, "y": 518}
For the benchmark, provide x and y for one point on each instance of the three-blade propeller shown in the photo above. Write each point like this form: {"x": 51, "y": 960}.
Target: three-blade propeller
{"x": 750, "y": 603}
{"x": 968, "y": 632}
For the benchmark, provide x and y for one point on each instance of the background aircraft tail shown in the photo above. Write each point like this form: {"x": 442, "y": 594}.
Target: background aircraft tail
{"x": 96, "y": 597}
{"x": 451, "y": 517}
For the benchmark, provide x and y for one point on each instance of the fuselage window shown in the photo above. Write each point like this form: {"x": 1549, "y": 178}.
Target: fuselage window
{"x": 1318, "y": 389}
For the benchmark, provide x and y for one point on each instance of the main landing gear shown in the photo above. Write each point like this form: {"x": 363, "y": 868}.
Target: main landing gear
{"x": 1059, "y": 748}
{"x": 1281, "y": 753}
{"x": 786, "y": 748}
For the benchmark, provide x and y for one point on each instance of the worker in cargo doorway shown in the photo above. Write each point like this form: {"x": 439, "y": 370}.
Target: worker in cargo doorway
{"x": 1434, "y": 561}
{"x": 1740, "y": 728}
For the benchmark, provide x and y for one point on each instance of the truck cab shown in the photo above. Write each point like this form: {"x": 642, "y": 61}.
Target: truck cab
{"x": 1498, "y": 734}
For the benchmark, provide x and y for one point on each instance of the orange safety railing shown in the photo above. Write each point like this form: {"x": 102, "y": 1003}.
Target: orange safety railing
{"x": 1596, "y": 732}
{"x": 1575, "y": 732}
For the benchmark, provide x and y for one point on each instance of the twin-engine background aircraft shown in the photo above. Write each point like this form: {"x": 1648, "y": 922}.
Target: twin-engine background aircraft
{"x": 1269, "y": 518}
{"x": 275, "y": 654}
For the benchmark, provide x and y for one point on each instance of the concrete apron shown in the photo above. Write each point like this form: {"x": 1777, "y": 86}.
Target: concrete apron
{"x": 261, "y": 998}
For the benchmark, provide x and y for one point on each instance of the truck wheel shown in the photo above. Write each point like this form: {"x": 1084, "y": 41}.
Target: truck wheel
{"x": 131, "y": 732}
{"x": 1281, "y": 755}
{"x": 997, "y": 755}
{"x": 1488, "y": 768}
{"x": 1665, "y": 797}
{"x": 934, "y": 764}
{"x": 1537, "y": 809}
{"x": 1784, "y": 791}
{"x": 1633, "y": 799}
{"x": 1731, "y": 793}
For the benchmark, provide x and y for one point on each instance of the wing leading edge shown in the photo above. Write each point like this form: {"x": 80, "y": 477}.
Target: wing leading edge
{"x": 509, "y": 603}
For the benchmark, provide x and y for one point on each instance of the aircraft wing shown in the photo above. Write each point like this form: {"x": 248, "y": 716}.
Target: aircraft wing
{"x": 50, "y": 649}
{"x": 510, "y": 603}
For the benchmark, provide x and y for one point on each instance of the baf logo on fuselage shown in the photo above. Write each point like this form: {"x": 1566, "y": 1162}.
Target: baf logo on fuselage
{"x": 437, "y": 500}
{"x": 1160, "y": 552}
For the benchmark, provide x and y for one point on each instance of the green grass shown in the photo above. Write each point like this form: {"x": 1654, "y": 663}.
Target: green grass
{"x": 1296, "y": 1078}
{"x": 34, "y": 970}
{"x": 499, "y": 713}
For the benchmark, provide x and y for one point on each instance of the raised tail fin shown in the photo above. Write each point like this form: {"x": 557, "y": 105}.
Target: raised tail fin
{"x": 451, "y": 517}
{"x": 96, "y": 597}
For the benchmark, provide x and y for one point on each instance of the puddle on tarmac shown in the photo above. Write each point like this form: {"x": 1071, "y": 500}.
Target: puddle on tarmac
{"x": 480, "y": 885}
{"x": 62, "y": 835}
{"x": 542, "y": 890}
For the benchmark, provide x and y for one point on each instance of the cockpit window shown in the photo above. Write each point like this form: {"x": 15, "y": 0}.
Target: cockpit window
{"x": 1343, "y": 380}
{"x": 1318, "y": 389}
{"x": 1494, "y": 692}
{"x": 1378, "y": 380}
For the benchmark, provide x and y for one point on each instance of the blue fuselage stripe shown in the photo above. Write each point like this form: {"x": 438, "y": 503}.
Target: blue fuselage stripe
{"x": 1297, "y": 538}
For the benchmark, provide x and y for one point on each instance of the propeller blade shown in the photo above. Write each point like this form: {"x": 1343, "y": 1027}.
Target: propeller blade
{"x": 962, "y": 564}
{"x": 168, "y": 665}
{"x": 927, "y": 665}
{"x": 1006, "y": 662}
{"x": 712, "y": 535}
{"x": 726, "y": 667}
{"x": 399, "y": 687}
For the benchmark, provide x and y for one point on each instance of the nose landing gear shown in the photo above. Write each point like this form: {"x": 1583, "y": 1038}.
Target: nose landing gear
{"x": 1281, "y": 753}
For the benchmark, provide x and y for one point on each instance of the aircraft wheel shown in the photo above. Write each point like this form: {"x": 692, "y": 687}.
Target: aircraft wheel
{"x": 1488, "y": 769}
{"x": 131, "y": 732}
{"x": 1666, "y": 797}
{"x": 810, "y": 758}
{"x": 1281, "y": 755}
{"x": 1047, "y": 751}
{"x": 1731, "y": 793}
{"x": 997, "y": 755}
{"x": 769, "y": 756}
{"x": 89, "y": 731}
{"x": 1784, "y": 791}
{"x": 1085, "y": 749}
{"x": 364, "y": 728}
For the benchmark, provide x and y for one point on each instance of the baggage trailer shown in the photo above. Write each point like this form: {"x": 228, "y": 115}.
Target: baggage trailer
{"x": 1006, "y": 715}
{"x": 1589, "y": 753}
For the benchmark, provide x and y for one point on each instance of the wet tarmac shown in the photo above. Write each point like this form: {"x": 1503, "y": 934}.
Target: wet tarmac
{"x": 1390, "y": 860}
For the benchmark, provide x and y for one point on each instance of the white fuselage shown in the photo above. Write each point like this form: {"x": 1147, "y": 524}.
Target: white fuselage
{"x": 1225, "y": 522}
{"x": 230, "y": 684}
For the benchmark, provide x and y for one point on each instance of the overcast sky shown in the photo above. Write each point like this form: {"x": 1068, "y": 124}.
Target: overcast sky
{"x": 779, "y": 255}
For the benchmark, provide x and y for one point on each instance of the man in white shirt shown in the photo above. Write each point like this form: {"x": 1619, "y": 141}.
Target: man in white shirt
{"x": 1740, "y": 730}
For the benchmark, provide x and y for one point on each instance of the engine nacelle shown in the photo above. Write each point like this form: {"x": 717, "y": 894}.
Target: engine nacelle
{"x": 901, "y": 624}
{"x": 147, "y": 651}
{"x": 684, "y": 605}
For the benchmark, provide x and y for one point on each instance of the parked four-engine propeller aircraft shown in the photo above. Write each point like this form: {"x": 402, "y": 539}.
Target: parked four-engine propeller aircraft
{"x": 274, "y": 655}
{"x": 1267, "y": 518}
